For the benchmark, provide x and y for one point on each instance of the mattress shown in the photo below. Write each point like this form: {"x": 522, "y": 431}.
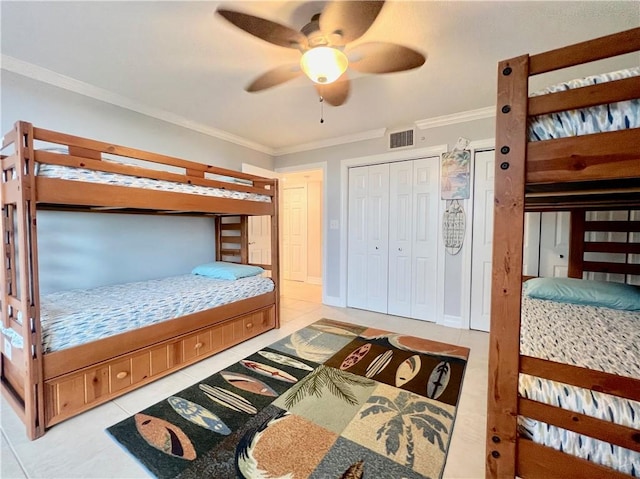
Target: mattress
{"x": 594, "y": 337}
{"x": 72, "y": 318}
{"x": 103, "y": 177}
{"x": 600, "y": 118}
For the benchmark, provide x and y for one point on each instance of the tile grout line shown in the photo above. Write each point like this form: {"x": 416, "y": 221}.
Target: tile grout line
{"x": 13, "y": 452}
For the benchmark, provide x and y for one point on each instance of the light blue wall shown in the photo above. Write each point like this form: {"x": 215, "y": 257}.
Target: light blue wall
{"x": 79, "y": 250}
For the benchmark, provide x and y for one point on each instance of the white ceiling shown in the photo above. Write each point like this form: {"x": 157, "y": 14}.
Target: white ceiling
{"x": 178, "y": 60}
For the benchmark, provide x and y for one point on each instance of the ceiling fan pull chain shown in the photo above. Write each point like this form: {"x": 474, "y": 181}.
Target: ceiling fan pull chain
{"x": 321, "y": 109}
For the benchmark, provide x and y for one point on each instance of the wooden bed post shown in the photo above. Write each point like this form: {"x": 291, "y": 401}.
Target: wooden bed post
{"x": 508, "y": 231}
{"x": 576, "y": 244}
{"x": 29, "y": 306}
{"x": 275, "y": 247}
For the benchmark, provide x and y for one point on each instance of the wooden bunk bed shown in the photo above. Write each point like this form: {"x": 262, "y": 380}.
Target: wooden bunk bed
{"x": 47, "y": 387}
{"x": 592, "y": 172}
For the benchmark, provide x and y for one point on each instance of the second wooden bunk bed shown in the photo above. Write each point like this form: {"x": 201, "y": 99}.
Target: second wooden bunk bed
{"x": 45, "y": 388}
{"x": 593, "y": 172}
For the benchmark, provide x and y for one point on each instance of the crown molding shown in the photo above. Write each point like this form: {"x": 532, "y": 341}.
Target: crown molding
{"x": 339, "y": 140}
{"x": 455, "y": 118}
{"x": 50, "y": 77}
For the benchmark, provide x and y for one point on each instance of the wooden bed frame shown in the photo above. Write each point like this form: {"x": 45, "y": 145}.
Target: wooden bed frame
{"x": 591, "y": 172}
{"x": 45, "y": 389}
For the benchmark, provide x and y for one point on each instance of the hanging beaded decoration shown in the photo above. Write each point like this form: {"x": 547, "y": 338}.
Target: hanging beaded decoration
{"x": 453, "y": 226}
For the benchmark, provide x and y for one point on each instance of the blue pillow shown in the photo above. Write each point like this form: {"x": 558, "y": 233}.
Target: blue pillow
{"x": 583, "y": 291}
{"x": 223, "y": 270}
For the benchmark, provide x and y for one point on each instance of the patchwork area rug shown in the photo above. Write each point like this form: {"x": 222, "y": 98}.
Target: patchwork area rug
{"x": 332, "y": 400}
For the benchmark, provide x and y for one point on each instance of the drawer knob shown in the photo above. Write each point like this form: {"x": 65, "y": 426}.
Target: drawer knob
{"x": 122, "y": 375}
{"x": 198, "y": 345}
{"x": 249, "y": 325}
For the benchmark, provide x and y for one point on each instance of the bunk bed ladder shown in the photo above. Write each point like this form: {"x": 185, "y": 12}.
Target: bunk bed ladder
{"x": 20, "y": 309}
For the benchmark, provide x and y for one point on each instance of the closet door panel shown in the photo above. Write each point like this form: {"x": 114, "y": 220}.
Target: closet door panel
{"x": 378, "y": 238}
{"x": 357, "y": 247}
{"x": 400, "y": 237}
{"x": 425, "y": 239}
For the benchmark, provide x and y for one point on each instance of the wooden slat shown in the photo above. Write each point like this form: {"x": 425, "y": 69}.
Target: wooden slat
{"x": 231, "y": 227}
{"x": 9, "y": 138}
{"x": 70, "y": 140}
{"x": 611, "y": 247}
{"x": 600, "y": 156}
{"x": 606, "y": 431}
{"x": 599, "y": 381}
{"x": 230, "y": 252}
{"x": 576, "y": 244}
{"x": 599, "y": 94}
{"x": 584, "y": 52}
{"x": 275, "y": 249}
{"x": 231, "y": 239}
{"x": 131, "y": 170}
{"x": 506, "y": 287}
{"x": 66, "y": 192}
{"x": 541, "y": 462}
{"x": 614, "y": 268}
{"x": 608, "y": 226}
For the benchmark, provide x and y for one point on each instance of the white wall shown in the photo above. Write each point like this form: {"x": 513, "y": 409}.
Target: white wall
{"x": 473, "y": 130}
{"x": 78, "y": 250}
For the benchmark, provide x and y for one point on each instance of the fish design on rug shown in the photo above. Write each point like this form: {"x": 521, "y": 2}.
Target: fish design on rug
{"x": 355, "y": 471}
{"x": 268, "y": 371}
{"x": 247, "y": 383}
{"x": 165, "y": 437}
{"x": 285, "y": 360}
{"x": 226, "y": 398}
{"x": 438, "y": 380}
{"x": 198, "y": 415}
{"x": 408, "y": 370}
{"x": 379, "y": 363}
{"x": 355, "y": 356}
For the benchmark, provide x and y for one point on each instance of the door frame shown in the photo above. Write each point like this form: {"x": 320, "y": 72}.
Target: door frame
{"x": 390, "y": 157}
{"x": 465, "y": 290}
{"x": 322, "y": 165}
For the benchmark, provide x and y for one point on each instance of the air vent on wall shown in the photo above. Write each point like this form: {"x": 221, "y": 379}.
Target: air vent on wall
{"x": 401, "y": 139}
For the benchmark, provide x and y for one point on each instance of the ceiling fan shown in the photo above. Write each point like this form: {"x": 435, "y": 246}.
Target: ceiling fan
{"x": 323, "y": 43}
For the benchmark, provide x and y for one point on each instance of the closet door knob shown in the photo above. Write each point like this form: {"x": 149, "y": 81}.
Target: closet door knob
{"x": 399, "y": 249}
{"x": 377, "y": 247}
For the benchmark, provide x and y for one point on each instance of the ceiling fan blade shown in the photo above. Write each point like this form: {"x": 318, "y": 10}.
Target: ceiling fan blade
{"x": 274, "y": 77}
{"x": 345, "y": 21}
{"x": 381, "y": 57}
{"x": 267, "y": 30}
{"x": 335, "y": 93}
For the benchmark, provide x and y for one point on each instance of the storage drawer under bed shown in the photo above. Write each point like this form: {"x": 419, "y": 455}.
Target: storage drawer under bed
{"x": 70, "y": 394}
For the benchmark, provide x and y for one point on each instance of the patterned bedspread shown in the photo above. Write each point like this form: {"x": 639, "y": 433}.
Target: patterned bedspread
{"x": 598, "y": 338}
{"x": 596, "y": 119}
{"x": 71, "y": 318}
{"x": 93, "y": 176}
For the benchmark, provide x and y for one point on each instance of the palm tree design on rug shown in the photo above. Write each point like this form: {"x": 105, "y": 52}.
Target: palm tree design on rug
{"x": 408, "y": 412}
{"x": 335, "y": 380}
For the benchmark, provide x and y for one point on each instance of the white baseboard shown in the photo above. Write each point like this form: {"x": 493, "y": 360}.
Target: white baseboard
{"x": 452, "y": 321}
{"x": 334, "y": 301}
{"x": 314, "y": 280}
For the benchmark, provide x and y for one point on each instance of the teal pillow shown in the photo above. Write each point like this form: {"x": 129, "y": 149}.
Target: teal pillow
{"x": 583, "y": 291}
{"x": 224, "y": 270}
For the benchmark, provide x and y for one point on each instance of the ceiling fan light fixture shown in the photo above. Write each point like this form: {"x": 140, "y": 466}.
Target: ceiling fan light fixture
{"x": 324, "y": 64}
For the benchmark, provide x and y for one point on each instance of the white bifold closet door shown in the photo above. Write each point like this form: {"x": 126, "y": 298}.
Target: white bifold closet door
{"x": 368, "y": 238}
{"x": 393, "y": 238}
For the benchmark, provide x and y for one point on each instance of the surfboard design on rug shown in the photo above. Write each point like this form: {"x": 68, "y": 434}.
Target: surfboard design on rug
{"x": 228, "y": 399}
{"x": 389, "y": 412}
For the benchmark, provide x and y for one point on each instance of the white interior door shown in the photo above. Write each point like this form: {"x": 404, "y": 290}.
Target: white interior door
{"x": 554, "y": 244}
{"x": 259, "y": 239}
{"x": 425, "y": 237}
{"x": 357, "y": 238}
{"x": 378, "y": 238}
{"x": 294, "y": 234}
{"x": 482, "y": 240}
{"x": 400, "y": 237}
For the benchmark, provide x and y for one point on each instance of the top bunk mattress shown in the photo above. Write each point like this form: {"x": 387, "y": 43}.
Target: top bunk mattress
{"x": 103, "y": 177}
{"x": 75, "y": 317}
{"x": 596, "y": 119}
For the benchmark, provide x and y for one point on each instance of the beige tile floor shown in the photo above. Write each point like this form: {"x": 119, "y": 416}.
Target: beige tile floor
{"x": 80, "y": 448}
